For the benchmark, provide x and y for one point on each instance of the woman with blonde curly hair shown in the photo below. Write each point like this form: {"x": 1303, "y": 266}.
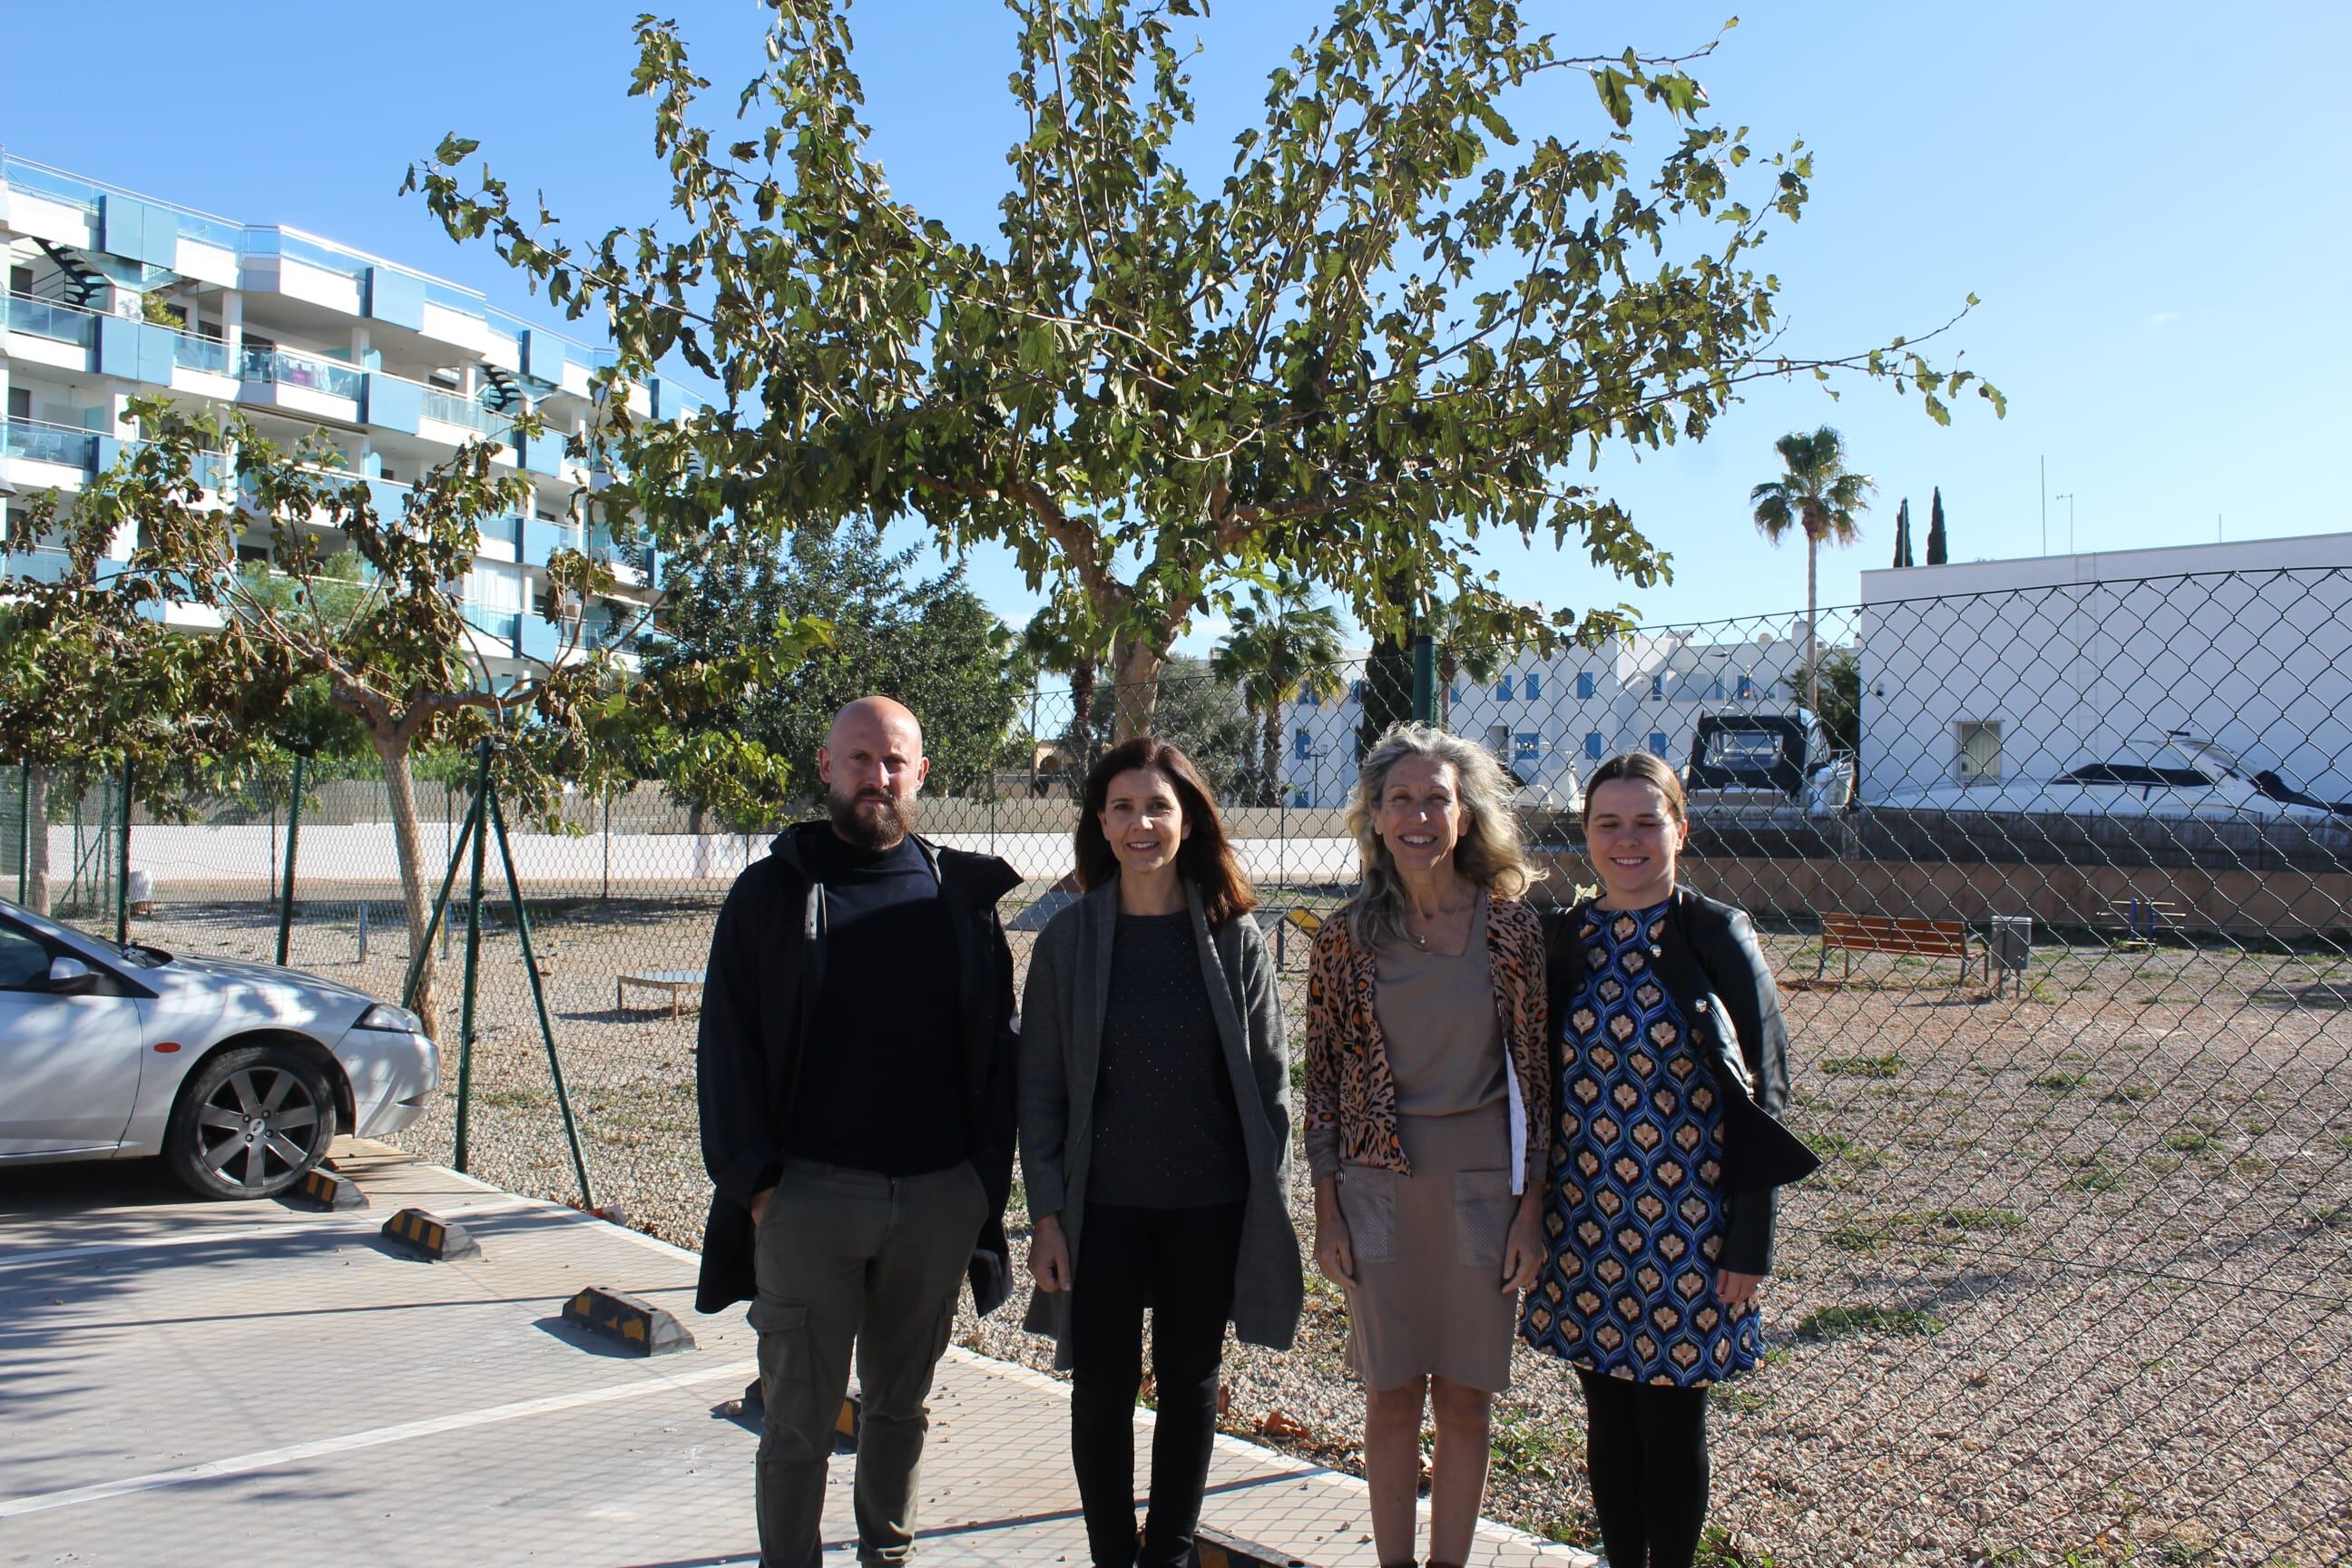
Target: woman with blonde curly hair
{"x": 1428, "y": 1106}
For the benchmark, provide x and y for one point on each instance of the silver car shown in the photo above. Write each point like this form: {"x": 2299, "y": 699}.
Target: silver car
{"x": 237, "y": 1073}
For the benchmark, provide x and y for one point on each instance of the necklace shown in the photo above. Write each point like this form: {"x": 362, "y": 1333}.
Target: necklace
{"x": 1422, "y": 941}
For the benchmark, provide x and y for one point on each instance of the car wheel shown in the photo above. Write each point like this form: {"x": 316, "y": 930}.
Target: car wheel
{"x": 250, "y": 1123}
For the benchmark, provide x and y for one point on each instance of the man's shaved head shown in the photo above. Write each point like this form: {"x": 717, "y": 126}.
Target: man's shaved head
{"x": 873, "y": 766}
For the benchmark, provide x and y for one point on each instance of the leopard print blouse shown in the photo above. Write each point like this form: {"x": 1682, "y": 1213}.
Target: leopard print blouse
{"x": 1351, "y": 1114}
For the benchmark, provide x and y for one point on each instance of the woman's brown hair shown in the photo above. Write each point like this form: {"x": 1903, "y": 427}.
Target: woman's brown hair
{"x": 1642, "y": 768}
{"x": 1205, "y": 859}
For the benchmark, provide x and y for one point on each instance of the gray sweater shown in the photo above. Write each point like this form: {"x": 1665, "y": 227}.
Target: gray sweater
{"x": 1061, "y": 1043}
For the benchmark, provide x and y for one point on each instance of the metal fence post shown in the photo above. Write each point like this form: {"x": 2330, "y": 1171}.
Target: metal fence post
{"x": 1424, "y": 680}
{"x": 285, "y": 886}
{"x": 473, "y": 960}
{"x": 539, "y": 1001}
{"x": 24, "y": 831}
{"x": 122, "y": 877}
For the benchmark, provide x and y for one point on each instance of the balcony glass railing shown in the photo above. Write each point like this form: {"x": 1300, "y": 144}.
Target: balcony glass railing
{"x": 454, "y": 297}
{"x": 452, "y": 409}
{"x": 282, "y": 369}
{"x": 506, "y": 529}
{"x": 57, "y": 185}
{"x": 62, "y": 444}
{"x": 193, "y": 352}
{"x": 34, "y": 565}
{"x": 554, "y": 536}
{"x": 51, "y": 319}
{"x": 501, "y": 625}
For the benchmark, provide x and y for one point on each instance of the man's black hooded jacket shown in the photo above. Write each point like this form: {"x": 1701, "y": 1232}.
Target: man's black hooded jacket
{"x": 767, "y": 956}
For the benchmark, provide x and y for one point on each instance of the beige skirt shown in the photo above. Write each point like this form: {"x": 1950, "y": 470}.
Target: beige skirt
{"x": 1429, "y": 1297}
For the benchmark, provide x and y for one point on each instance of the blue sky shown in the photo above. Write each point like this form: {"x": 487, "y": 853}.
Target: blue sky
{"x": 2149, "y": 200}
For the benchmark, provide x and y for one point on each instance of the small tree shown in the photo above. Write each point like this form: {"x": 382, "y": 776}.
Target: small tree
{"x": 1940, "y": 543}
{"x": 399, "y": 656}
{"x": 1817, "y": 494}
{"x": 1471, "y": 633}
{"x": 1902, "y": 534}
{"x": 1283, "y": 645}
{"x": 1390, "y": 327}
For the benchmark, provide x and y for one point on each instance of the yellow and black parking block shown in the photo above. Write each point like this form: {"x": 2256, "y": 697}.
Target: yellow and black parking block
{"x": 321, "y": 1188}
{"x": 1215, "y": 1548}
{"x": 845, "y": 1426}
{"x": 430, "y": 1236}
{"x": 637, "y": 1326}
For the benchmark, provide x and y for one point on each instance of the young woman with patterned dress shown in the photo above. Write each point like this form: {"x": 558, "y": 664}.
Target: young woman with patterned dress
{"x": 1428, "y": 1088}
{"x": 1666, "y": 1016}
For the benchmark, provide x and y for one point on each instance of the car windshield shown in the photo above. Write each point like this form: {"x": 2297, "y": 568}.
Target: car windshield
{"x": 134, "y": 956}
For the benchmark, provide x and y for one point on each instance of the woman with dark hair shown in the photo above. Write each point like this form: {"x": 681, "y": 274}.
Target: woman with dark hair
{"x": 1665, "y": 1156}
{"x": 1155, "y": 1140}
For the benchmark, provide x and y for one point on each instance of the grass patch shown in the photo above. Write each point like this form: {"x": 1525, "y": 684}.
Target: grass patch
{"x": 1886, "y": 1065}
{"x": 1846, "y": 1322}
{"x": 2128, "y": 1094}
{"x": 2188, "y": 1140}
{"x": 1522, "y": 1447}
{"x": 1845, "y": 1151}
{"x": 2059, "y": 1082}
{"x": 1855, "y": 1238}
{"x": 1976, "y": 1219}
{"x": 2097, "y": 1175}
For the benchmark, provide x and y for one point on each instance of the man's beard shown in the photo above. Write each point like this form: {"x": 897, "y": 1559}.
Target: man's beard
{"x": 857, "y": 820}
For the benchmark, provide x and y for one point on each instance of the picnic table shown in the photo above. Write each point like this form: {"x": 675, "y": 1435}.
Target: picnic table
{"x": 678, "y": 983}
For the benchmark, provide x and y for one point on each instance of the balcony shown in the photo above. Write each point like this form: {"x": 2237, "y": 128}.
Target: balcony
{"x": 497, "y": 626}
{"x": 51, "y": 319}
{"x": 32, "y": 441}
{"x": 275, "y": 367}
{"x": 451, "y": 409}
{"x": 542, "y": 539}
{"x": 208, "y": 355}
{"x": 34, "y": 565}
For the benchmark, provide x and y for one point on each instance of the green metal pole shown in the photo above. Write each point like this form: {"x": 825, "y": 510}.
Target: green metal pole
{"x": 539, "y": 1001}
{"x": 473, "y": 963}
{"x": 122, "y": 877}
{"x": 286, "y": 886}
{"x": 1424, "y": 680}
{"x": 24, "y": 831}
{"x": 440, "y": 906}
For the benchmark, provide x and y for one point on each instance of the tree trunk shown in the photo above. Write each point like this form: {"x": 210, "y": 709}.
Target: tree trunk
{"x": 1082, "y": 723}
{"x": 1813, "y": 646}
{"x": 1448, "y": 667}
{"x": 400, "y": 789}
{"x": 37, "y": 840}
{"x": 1135, "y": 674}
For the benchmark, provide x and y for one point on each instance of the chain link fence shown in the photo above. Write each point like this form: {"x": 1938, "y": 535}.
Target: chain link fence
{"x": 2056, "y": 885}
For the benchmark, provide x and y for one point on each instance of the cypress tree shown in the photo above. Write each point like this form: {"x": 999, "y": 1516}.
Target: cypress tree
{"x": 1940, "y": 546}
{"x": 1902, "y": 534}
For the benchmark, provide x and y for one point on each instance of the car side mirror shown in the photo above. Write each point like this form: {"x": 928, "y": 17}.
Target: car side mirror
{"x": 71, "y": 978}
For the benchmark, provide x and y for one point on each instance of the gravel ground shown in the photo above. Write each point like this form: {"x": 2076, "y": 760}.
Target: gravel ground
{"x": 2072, "y": 1289}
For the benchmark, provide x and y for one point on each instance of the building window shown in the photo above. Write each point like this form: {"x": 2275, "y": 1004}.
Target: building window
{"x": 1534, "y": 685}
{"x": 1976, "y": 745}
{"x": 1584, "y": 683}
{"x": 1657, "y": 686}
{"x": 1746, "y": 686}
{"x": 1356, "y": 689}
{"x": 1302, "y": 745}
{"x": 1309, "y": 698}
{"x": 1657, "y": 742}
{"x": 1453, "y": 694}
{"x": 1503, "y": 690}
{"x": 1526, "y": 746}
{"x": 1592, "y": 744}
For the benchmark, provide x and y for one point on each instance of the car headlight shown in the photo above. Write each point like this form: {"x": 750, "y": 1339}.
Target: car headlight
{"x": 392, "y": 1020}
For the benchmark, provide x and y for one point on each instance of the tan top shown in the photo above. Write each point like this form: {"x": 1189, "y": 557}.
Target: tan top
{"x": 1444, "y": 1032}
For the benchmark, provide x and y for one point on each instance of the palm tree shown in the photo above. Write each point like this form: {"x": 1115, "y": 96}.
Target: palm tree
{"x": 1466, "y": 632}
{"x": 1063, "y": 638}
{"x": 1815, "y": 492}
{"x": 1283, "y": 645}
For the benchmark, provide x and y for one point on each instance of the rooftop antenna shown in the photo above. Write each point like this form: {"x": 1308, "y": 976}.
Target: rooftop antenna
{"x": 2045, "y": 506}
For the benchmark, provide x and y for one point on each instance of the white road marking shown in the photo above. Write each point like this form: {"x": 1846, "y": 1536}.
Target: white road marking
{"x": 199, "y": 1238}
{"x": 271, "y": 1458}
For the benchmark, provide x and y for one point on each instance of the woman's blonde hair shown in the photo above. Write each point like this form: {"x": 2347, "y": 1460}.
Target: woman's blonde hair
{"x": 1489, "y": 854}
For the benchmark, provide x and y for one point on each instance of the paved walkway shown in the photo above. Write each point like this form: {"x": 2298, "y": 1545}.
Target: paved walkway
{"x": 186, "y": 1381}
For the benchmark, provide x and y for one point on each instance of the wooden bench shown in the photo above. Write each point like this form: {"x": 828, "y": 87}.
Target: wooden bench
{"x": 1307, "y": 922}
{"x": 678, "y": 983}
{"x": 1896, "y": 934}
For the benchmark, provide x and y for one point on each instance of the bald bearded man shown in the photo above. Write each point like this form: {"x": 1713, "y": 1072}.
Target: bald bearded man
{"x": 856, "y": 1063}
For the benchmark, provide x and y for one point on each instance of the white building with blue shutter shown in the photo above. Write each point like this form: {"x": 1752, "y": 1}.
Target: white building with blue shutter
{"x": 112, "y": 295}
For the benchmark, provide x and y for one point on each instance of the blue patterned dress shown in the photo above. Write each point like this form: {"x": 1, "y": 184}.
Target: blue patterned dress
{"x": 1633, "y": 1217}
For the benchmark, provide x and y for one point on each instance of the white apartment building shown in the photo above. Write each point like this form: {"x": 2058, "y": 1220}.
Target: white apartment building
{"x": 1998, "y": 672}
{"x": 112, "y": 295}
{"x": 1550, "y": 719}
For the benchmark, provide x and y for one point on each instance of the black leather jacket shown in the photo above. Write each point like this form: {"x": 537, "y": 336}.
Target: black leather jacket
{"x": 1716, "y": 971}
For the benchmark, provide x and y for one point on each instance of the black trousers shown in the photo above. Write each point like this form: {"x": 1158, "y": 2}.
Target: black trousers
{"x": 1181, "y": 1263}
{"x": 1646, "y": 1446}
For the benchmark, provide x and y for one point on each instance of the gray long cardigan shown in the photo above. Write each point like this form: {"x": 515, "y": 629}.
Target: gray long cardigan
{"x": 1062, "y": 1014}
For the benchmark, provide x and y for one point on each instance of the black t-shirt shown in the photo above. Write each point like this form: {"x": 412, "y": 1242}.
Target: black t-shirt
{"x": 880, "y": 1087}
{"x": 1168, "y": 1130}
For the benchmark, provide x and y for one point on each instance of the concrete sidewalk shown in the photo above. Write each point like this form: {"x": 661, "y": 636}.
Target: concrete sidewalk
{"x": 183, "y": 1381}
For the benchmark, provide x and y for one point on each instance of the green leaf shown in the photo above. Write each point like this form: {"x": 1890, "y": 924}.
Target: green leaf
{"x": 454, "y": 150}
